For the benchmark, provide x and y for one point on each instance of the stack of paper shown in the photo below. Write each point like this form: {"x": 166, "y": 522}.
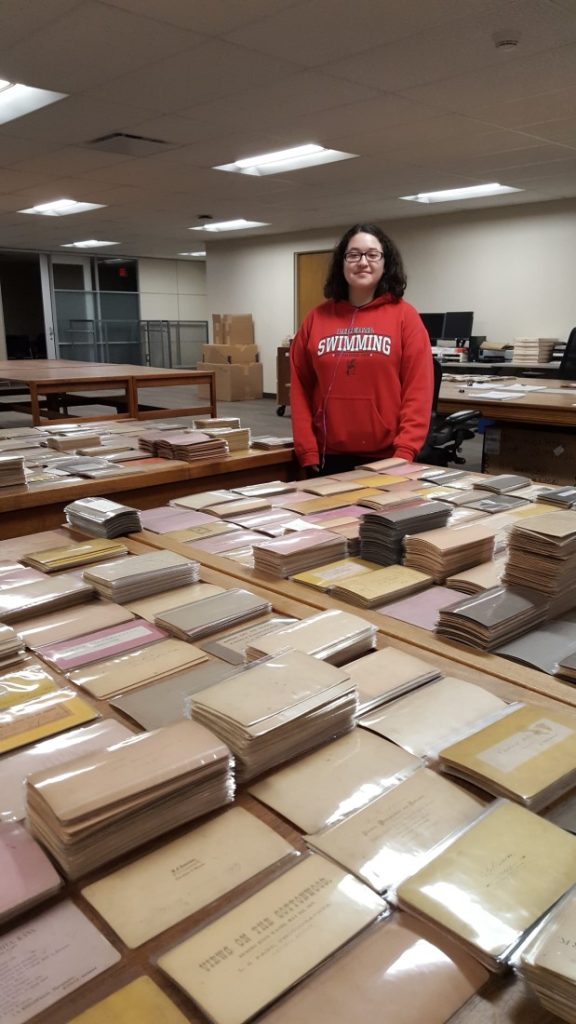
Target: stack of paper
{"x": 548, "y": 960}
{"x": 567, "y": 667}
{"x": 264, "y": 490}
{"x": 375, "y": 588}
{"x": 47, "y": 594}
{"x": 237, "y": 438}
{"x": 542, "y": 556}
{"x": 331, "y": 783}
{"x": 528, "y": 755}
{"x": 441, "y": 553}
{"x": 142, "y": 575}
{"x": 333, "y": 636}
{"x": 12, "y": 648}
{"x": 217, "y": 423}
{"x": 493, "y": 883}
{"x": 12, "y": 471}
{"x": 192, "y": 621}
{"x": 26, "y": 875}
{"x": 277, "y": 710}
{"x": 564, "y": 497}
{"x": 298, "y": 552}
{"x": 128, "y": 671}
{"x": 313, "y": 910}
{"x": 533, "y": 350}
{"x": 392, "y": 837}
{"x": 109, "y": 802}
{"x": 381, "y": 533}
{"x": 100, "y": 517}
{"x": 33, "y": 706}
{"x": 67, "y": 655}
{"x": 386, "y": 675}
{"x": 150, "y": 607}
{"x": 424, "y": 722}
{"x": 72, "y": 555}
{"x": 269, "y": 442}
{"x": 326, "y": 577}
{"x": 493, "y": 617}
{"x": 503, "y": 483}
{"x": 481, "y": 577}
{"x": 104, "y": 450}
{"x": 493, "y": 503}
{"x": 75, "y": 440}
{"x": 190, "y": 445}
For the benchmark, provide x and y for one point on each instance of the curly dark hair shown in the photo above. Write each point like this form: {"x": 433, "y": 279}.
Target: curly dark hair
{"x": 393, "y": 279}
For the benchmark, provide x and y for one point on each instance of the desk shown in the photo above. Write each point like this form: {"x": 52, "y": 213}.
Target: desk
{"x": 24, "y": 510}
{"x": 533, "y": 407}
{"x": 58, "y": 384}
{"x": 505, "y": 369}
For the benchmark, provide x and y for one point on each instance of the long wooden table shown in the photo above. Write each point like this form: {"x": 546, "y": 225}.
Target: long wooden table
{"x": 25, "y": 510}
{"x": 533, "y": 407}
{"x": 504, "y": 999}
{"x": 43, "y": 387}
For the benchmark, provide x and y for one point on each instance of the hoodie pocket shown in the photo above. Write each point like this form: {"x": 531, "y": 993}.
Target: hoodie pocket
{"x": 355, "y": 425}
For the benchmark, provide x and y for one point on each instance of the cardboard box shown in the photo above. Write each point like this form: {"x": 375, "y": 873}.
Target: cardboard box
{"x": 232, "y": 329}
{"x": 545, "y": 454}
{"x": 230, "y": 353}
{"x": 238, "y": 382}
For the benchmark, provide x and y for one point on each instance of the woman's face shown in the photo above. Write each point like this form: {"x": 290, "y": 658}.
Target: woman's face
{"x": 364, "y": 274}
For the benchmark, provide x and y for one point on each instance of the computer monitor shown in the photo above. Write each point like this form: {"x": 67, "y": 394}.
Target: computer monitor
{"x": 458, "y": 325}
{"x": 434, "y": 324}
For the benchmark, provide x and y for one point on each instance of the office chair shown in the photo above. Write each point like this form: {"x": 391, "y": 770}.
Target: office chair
{"x": 567, "y": 369}
{"x": 447, "y": 433}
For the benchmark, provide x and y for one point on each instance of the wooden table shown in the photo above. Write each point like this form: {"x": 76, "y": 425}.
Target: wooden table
{"x": 59, "y": 384}
{"x": 532, "y": 407}
{"x": 24, "y": 510}
{"x": 504, "y": 999}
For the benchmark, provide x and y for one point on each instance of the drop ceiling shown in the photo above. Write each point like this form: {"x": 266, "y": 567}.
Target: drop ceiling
{"x": 417, "y": 89}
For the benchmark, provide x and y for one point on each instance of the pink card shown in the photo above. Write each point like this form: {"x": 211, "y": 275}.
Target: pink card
{"x": 12, "y": 574}
{"x": 169, "y": 518}
{"x": 421, "y": 609}
{"x": 101, "y": 645}
{"x": 350, "y": 511}
{"x": 224, "y": 542}
{"x": 26, "y": 874}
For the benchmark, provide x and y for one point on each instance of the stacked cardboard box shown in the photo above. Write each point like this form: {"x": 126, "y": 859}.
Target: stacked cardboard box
{"x": 233, "y": 357}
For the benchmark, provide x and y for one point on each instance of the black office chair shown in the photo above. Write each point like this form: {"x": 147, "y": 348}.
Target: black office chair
{"x": 447, "y": 433}
{"x": 567, "y": 369}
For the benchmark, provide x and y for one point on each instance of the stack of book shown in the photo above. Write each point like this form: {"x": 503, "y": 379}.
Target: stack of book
{"x": 12, "y": 648}
{"x": 112, "y": 801}
{"x": 277, "y": 710}
{"x": 442, "y": 553}
{"x": 382, "y": 533}
{"x": 72, "y": 555}
{"x": 12, "y": 470}
{"x": 298, "y": 552}
{"x": 201, "y": 618}
{"x": 507, "y": 869}
{"x": 45, "y": 595}
{"x": 492, "y": 618}
{"x": 563, "y": 497}
{"x": 237, "y": 438}
{"x": 75, "y": 440}
{"x": 99, "y": 517}
{"x": 373, "y": 589}
{"x": 548, "y": 960}
{"x": 141, "y": 575}
{"x": 503, "y": 483}
{"x": 546, "y": 769}
{"x": 333, "y": 636}
{"x": 271, "y": 443}
{"x": 217, "y": 423}
{"x": 190, "y": 445}
{"x": 533, "y": 350}
{"x": 542, "y": 556}
{"x": 480, "y": 577}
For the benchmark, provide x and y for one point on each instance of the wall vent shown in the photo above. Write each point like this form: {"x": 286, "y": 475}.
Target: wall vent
{"x": 128, "y": 144}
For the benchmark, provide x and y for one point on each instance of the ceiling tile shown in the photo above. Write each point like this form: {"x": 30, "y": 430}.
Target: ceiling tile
{"x": 20, "y": 18}
{"x": 213, "y": 18}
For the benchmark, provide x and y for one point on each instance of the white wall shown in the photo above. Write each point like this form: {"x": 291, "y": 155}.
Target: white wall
{"x": 514, "y": 267}
{"x": 172, "y": 289}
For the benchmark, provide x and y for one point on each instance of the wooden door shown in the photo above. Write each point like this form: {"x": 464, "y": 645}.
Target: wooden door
{"x": 311, "y": 271}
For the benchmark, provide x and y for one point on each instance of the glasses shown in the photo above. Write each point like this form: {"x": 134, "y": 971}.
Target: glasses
{"x": 372, "y": 255}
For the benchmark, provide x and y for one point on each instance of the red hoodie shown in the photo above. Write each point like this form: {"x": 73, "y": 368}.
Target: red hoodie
{"x": 362, "y": 381}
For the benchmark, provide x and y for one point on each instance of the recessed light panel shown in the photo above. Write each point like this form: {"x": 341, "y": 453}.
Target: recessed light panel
{"x": 230, "y": 225}
{"x": 284, "y": 160}
{"x": 62, "y": 208}
{"x": 18, "y": 100}
{"x": 192, "y": 254}
{"x": 451, "y": 195}
{"x": 89, "y": 243}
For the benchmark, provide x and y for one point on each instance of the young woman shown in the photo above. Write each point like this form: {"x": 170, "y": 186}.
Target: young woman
{"x": 362, "y": 379}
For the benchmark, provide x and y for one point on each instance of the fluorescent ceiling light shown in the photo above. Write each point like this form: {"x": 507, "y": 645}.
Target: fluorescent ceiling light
{"x": 62, "y": 208}
{"x": 230, "y": 225}
{"x": 202, "y": 253}
{"x": 17, "y": 100}
{"x": 450, "y": 195}
{"x": 89, "y": 243}
{"x": 283, "y": 160}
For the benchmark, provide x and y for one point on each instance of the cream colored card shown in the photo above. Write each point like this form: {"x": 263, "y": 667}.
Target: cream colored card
{"x": 157, "y": 891}
{"x": 526, "y": 751}
{"x": 314, "y": 633}
{"x": 107, "y": 678}
{"x": 390, "y": 838}
{"x": 327, "y": 576}
{"x": 140, "y": 1002}
{"x": 425, "y": 720}
{"x": 493, "y": 883}
{"x": 336, "y": 780}
{"x": 386, "y": 671}
{"x": 149, "y": 607}
{"x": 237, "y": 965}
{"x": 309, "y": 507}
{"x": 554, "y": 945}
{"x": 386, "y": 581}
